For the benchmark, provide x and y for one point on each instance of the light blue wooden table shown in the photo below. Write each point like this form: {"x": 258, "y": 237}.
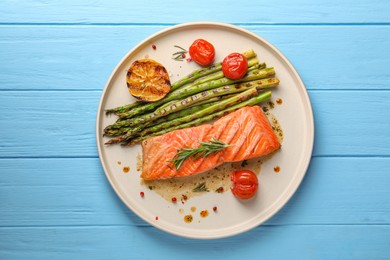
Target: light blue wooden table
{"x": 55, "y": 201}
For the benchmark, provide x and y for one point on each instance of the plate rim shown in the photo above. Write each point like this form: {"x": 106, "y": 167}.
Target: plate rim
{"x": 295, "y": 183}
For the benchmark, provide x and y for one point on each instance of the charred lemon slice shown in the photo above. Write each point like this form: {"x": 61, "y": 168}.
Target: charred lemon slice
{"x": 148, "y": 80}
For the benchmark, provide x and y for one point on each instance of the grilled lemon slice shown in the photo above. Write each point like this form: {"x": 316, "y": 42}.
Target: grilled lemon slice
{"x": 148, "y": 80}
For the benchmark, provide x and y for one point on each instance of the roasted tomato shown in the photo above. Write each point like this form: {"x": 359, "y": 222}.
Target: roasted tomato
{"x": 235, "y": 66}
{"x": 245, "y": 184}
{"x": 202, "y": 52}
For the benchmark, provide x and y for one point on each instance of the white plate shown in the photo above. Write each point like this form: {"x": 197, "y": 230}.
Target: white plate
{"x": 233, "y": 216}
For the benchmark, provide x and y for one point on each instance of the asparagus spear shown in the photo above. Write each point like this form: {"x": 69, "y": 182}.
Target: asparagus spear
{"x": 206, "y": 71}
{"x": 130, "y": 132}
{"x": 193, "y": 89}
{"x": 250, "y": 102}
{"x": 139, "y": 128}
{"x": 252, "y": 65}
{"x": 177, "y": 105}
{"x": 267, "y": 83}
{"x": 183, "y": 103}
{"x": 218, "y": 75}
{"x": 133, "y": 131}
{"x": 190, "y": 78}
{"x": 124, "y": 108}
{"x": 209, "y": 110}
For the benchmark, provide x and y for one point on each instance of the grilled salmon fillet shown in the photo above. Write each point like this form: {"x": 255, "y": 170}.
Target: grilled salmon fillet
{"x": 247, "y": 130}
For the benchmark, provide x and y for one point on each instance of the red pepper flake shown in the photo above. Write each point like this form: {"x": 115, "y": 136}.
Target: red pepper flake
{"x": 174, "y": 199}
{"x": 277, "y": 169}
{"x": 183, "y": 55}
{"x": 219, "y": 190}
{"x": 156, "y": 217}
{"x": 142, "y": 194}
{"x": 185, "y": 197}
{"x": 215, "y": 208}
{"x": 154, "y": 47}
{"x": 189, "y": 59}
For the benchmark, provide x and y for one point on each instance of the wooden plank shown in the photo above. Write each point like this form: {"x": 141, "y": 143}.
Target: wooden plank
{"x": 48, "y": 122}
{"x": 120, "y": 11}
{"x": 346, "y": 120}
{"x": 62, "y": 123}
{"x": 83, "y": 57}
{"x": 126, "y": 242}
{"x": 75, "y": 192}
{"x": 49, "y": 57}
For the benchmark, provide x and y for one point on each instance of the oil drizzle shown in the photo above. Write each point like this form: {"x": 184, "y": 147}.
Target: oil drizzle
{"x": 188, "y": 218}
{"x": 204, "y": 213}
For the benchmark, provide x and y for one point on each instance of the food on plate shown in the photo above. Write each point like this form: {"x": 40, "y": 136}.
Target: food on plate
{"x": 180, "y": 104}
{"x": 133, "y": 122}
{"x": 247, "y": 132}
{"x": 200, "y": 97}
{"x": 180, "y": 54}
{"x": 245, "y": 184}
{"x": 235, "y": 66}
{"x": 190, "y": 78}
{"x": 216, "y": 67}
{"x": 227, "y": 95}
{"x": 202, "y": 52}
{"x": 201, "y": 187}
{"x": 148, "y": 80}
{"x": 203, "y": 150}
{"x": 178, "y": 139}
{"x": 215, "y": 111}
{"x": 191, "y": 89}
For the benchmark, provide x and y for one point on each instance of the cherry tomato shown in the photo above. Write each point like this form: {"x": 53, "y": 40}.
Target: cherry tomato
{"x": 234, "y": 66}
{"x": 245, "y": 184}
{"x": 202, "y": 52}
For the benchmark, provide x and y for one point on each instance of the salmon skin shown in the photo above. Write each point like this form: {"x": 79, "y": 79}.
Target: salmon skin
{"x": 247, "y": 130}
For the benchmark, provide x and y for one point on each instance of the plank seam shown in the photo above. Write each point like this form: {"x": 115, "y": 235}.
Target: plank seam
{"x": 149, "y": 226}
{"x": 172, "y": 24}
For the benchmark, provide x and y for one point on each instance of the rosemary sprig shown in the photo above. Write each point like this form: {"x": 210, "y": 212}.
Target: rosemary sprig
{"x": 200, "y": 188}
{"x": 179, "y": 55}
{"x": 203, "y": 150}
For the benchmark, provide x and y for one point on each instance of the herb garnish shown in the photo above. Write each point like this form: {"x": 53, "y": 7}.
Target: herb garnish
{"x": 179, "y": 55}
{"x": 200, "y": 188}
{"x": 203, "y": 150}
{"x": 244, "y": 163}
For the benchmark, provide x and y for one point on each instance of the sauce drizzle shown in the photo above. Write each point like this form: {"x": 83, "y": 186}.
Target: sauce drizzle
{"x": 188, "y": 218}
{"x": 204, "y": 213}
